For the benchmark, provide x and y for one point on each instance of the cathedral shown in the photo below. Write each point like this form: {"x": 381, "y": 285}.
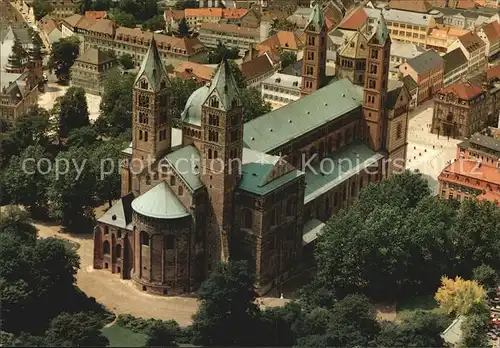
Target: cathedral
{"x": 218, "y": 188}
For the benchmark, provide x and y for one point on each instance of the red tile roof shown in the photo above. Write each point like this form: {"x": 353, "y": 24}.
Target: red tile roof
{"x": 256, "y": 67}
{"x": 355, "y": 20}
{"x": 96, "y": 14}
{"x": 471, "y": 169}
{"x": 493, "y": 73}
{"x": 490, "y": 196}
{"x": 463, "y": 90}
{"x": 471, "y": 42}
{"x": 492, "y": 31}
{"x": 176, "y": 15}
{"x": 234, "y": 13}
{"x": 464, "y": 4}
{"x": 190, "y": 70}
{"x": 203, "y": 12}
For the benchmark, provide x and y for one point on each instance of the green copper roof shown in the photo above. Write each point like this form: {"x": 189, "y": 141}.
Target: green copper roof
{"x": 192, "y": 110}
{"x": 153, "y": 67}
{"x": 293, "y": 120}
{"x": 380, "y": 33}
{"x": 316, "y": 18}
{"x": 224, "y": 85}
{"x": 160, "y": 202}
{"x": 186, "y": 163}
{"x": 341, "y": 165}
{"x": 258, "y": 168}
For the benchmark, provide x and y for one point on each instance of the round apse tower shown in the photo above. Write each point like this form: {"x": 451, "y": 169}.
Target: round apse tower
{"x": 162, "y": 243}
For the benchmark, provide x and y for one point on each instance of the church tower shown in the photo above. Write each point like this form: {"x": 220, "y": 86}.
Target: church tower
{"x": 151, "y": 119}
{"x": 375, "y": 88}
{"x": 314, "y": 59}
{"x": 221, "y": 155}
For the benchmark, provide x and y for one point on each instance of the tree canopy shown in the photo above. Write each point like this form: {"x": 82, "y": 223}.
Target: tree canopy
{"x": 155, "y": 23}
{"x": 396, "y": 229}
{"x": 41, "y": 8}
{"x": 62, "y": 56}
{"x": 71, "y": 111}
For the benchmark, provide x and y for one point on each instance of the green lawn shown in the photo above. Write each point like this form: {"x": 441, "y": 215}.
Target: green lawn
{"x": 424, "y": 302}
{"x": 120, "y": 337}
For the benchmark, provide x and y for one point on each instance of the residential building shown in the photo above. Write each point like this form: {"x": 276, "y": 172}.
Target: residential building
{"x": 281, "y": 89}
{"x": 196, "y": 16}
{"x": 231, "y": 35}
{"x": 19, "y": 88}
{"x": 404, "y": 26}
{"x": 460, "y": 110}
{"x": 440, "y": 38}
{"x": 490, "y": 34}
{"x": 49, "y": 31}
{"x": 257, "y": 70}
{"x": 89, "y": 70}
{"x": 172, "y": 226}
{"x": 283, "y": 41}
{"x": 402, "y": 51}
{"x": 96, "y": 14}
{"x": 314, "y": 59}
{"x": 476, "y": 169}
{"x": 422, "y": 6}
{"x": 427, "y": 70}
{"x": 105, "y": 35}
{"x": 456, "y": 66}
{"x": 467, "y": 18}
{"x": 412, "y": 88}
{"x": 351, "y": 59}
{"x": 63, "y": 8}
{"x": 474, "y": 50}
{"x": 200, "y": 73}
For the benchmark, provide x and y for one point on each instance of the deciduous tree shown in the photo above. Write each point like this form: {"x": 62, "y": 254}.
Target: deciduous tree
{"x": 155, "y": 23}
{"x": 227, "y": 309}
{"x": 457, "y": 296}
{"x": 73, "y": 111}
{"x": 126, "y": 61}
{"x": 26, "y": 179}
{"x": 71, "y": 190}
{"x": 76, "y": 330}
{"x": 63, "y": 54}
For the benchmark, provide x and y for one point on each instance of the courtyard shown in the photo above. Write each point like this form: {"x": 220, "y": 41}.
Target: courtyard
{"x": 426, "y": 152}
{"x": 53, "y": 90}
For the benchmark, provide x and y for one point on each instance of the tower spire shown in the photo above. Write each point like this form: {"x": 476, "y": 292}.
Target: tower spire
{"x": 152, "y": 66}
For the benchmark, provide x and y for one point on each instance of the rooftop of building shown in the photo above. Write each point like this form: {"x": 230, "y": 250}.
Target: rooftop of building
{"x": 355, "y": 46}
{"x": 195, "y": 69}
{"x": 425, "y": 62}
{"x": 463, "y": 90}
{"x": 444, "y": 33}
{"x": 492, "y": 31}
{"x": 343, "y": 164}
{"x": 471, "y": 42}
{"x": 94, "y": 56}
{"x": 482, "y": 140}
{"x": 471, "y": 169}
{"x": 287, "y": 40}
{"x": 160, "y": 202}
{"x": 256, "y": 67}
{"x": 295, "y": 119}
{"x": 469, "y": 13}
{"x": 400, "y": 16}
{"x": 48, "y": 24}
{"x": 421, "y": 6}
{"x": 493, "y": 73}
{"x": 453, "y": 60}
{"x": 405, "y": 49}
{"x": 230, "y": 29}
{"x": 355, "y": 20}
{"x": 287, "y": 81}
{"x": 410, "y": 83}
{"x": 96, "y": 14}
{"x": 6, "y": 78}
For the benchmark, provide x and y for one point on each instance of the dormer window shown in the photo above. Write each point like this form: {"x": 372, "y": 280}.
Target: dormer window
{"x": 144, "y": 84}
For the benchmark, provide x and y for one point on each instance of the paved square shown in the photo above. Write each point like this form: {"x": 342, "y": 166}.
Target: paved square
{"x": 47, "y": 99}
{"x": 426, "y": 153}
